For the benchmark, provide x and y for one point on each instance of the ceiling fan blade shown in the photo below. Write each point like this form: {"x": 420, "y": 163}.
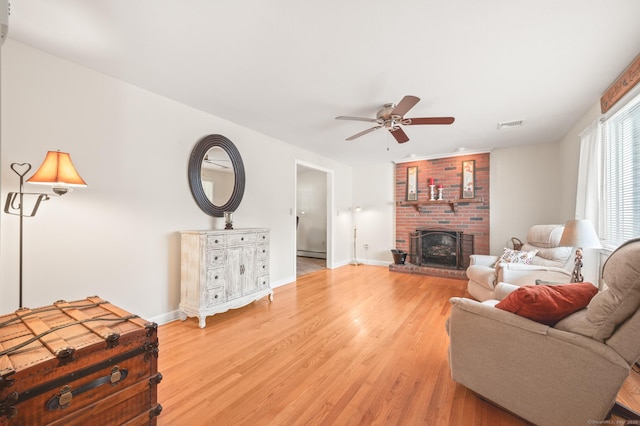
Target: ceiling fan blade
{"x": 405, "y": 105}
{"x": 428, "y": 120}
{"x": 370, "y": 120}
{"x": 357, "y": 135}
{"x": 399, "y": 134}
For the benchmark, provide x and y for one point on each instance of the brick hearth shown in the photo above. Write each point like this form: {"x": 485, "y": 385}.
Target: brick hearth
{"x": 408, "y": 268}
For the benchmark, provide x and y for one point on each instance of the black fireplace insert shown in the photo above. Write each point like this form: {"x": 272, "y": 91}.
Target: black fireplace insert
{"x": 441, "y": 248}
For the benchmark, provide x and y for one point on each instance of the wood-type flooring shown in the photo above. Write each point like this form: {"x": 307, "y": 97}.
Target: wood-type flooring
{"x": 350, "y": 346}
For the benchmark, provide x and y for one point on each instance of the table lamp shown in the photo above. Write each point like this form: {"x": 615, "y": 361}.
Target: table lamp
{"x": 579, "y": 233}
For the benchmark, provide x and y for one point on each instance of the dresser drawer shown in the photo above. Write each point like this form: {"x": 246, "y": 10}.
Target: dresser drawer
{"x": 262, "y": 251}
{"x": 214, "y": 296}
{"x": 241, "y": 239}
{"x": 215, "y": 278}
{"x": 263, "y": 282}
{"x": 215, "y": 241}
{"x": 215, "y": 258}
{"x": 262, "y": 267}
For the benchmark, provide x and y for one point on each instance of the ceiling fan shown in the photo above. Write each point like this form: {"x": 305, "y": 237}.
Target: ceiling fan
{"x": 391, "y": 116}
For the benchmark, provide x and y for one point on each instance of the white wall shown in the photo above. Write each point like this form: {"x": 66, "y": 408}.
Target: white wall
{"x": 374, "y": 192}
{"x": 118, "y": 238}
{"x": 570, "y": 154}
{"x": 526, "y": 189}
{"x": 545, "y": 192}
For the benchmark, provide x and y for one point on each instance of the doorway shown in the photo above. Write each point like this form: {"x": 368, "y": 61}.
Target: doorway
{"x": 312, "y": 221}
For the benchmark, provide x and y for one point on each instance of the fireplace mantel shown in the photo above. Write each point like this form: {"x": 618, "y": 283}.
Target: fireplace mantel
{"x": 452, "y": 203}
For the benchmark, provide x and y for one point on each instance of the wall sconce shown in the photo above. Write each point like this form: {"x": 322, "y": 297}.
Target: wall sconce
{"x": 56, "y": 170}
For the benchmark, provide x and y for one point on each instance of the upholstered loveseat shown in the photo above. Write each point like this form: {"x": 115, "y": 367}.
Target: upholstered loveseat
{"x": 548, "y": 262}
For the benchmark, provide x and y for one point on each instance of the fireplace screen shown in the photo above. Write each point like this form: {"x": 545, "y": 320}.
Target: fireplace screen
{"x": 441, "y": 248}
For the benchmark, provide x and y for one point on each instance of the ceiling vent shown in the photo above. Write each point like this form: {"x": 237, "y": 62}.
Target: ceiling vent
{"x": 510, "y": 124}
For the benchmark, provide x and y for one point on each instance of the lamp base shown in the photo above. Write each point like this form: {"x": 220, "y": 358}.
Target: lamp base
{"x": 576, "y": 276}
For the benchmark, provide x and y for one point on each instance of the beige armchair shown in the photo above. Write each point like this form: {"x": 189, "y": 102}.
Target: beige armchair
{"x": 568, "y": 374}
{"x": 551, "y": 263}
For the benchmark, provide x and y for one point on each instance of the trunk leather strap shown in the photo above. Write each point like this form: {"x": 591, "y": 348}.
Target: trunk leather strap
{"x": 63, "y": 399}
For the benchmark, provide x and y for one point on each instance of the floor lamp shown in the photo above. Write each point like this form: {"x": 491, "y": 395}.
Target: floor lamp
{"x": 355, "y": 262}
{"x": 580, "y": 234}
{"x": 57, "y": 170}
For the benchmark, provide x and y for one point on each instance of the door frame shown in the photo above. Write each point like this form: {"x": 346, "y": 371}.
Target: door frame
{"x": 329, "y": 206}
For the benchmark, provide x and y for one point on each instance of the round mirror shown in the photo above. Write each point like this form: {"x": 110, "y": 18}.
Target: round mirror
{"x": 216, "y": 175}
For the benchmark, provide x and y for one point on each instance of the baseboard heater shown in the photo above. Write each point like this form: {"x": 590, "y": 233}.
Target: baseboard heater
{"x": 316, "y": 254}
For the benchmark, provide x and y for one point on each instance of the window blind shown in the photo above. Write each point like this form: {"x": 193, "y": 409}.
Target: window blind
{"x": 621, "y": 176}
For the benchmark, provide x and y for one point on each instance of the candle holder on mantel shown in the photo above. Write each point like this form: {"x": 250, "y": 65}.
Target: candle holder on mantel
{"x": 432, "y": 189}
{"x": 440, "y": 190}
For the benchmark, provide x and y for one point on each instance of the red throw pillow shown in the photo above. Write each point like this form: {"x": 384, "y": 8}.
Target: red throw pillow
{"x": 548, "y": 304}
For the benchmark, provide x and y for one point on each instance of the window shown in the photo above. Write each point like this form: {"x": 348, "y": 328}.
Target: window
{"x": 620, "y": 208}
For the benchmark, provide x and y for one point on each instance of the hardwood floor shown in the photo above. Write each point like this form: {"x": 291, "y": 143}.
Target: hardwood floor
{"x": 350, "y": 346}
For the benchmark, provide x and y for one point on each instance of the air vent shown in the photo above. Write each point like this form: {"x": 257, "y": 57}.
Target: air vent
{"x": 510, "y": 124}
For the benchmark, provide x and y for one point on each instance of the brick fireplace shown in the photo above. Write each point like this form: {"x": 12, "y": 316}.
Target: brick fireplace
{"x": 453, "y": 214}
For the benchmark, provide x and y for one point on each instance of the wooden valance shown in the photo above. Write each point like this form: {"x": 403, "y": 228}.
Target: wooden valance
{"x": 621, "y": 86}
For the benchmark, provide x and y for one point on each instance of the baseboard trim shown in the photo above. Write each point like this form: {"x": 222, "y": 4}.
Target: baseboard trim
{"x": 166, "y": 317}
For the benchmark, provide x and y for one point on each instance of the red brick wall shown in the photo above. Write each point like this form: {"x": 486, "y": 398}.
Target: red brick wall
{"x": 470, "y": 217}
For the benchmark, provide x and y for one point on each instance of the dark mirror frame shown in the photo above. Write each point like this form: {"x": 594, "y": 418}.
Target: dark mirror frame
{"x": 195, "y": 175}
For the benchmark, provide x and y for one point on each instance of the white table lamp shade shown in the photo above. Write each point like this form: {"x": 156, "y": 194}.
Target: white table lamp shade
{"x": 580, "y": 233}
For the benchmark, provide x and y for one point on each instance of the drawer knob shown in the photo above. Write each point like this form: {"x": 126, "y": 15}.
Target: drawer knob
{"x": 215, "y": 278}
{"x": 215, "y": 241}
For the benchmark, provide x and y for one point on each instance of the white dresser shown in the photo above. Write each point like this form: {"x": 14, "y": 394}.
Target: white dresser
{"x": 222, "y": 270}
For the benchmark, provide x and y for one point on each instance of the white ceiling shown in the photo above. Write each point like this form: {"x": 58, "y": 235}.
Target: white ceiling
{"x": 286, "y": 68}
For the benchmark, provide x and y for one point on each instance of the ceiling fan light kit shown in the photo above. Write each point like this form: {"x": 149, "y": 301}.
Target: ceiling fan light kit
{"x": 391, "y": 117}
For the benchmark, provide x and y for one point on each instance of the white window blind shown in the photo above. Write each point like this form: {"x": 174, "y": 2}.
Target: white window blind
{"x": 621, "y": 176}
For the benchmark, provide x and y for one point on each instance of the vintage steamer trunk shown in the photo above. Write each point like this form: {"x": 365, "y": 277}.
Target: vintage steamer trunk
{"x": 78, "y": 363}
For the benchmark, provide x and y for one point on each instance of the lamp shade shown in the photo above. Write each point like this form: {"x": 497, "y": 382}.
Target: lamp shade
{"x": 57, "y": 170}
{"x": 579, "y": 233}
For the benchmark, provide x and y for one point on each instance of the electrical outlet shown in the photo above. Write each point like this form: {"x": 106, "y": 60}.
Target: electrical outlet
{"x": 366, "y": 246}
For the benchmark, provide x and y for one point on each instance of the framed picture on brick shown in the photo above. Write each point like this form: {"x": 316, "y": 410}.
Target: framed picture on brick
{"x": 469, "y": 179}
{"x": 412, "y": 183}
